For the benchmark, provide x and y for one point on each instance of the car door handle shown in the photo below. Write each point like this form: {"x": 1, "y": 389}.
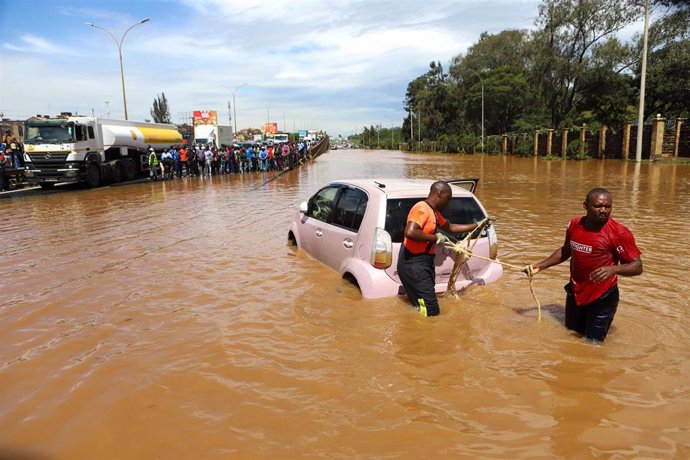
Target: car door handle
{"x": 348, "y": 244}
{"x": 318, "y": 233}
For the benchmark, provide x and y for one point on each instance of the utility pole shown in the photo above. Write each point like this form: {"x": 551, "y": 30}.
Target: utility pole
{"x": 481, "y": 80}
{"x": 419, "y": 128}
{"x": 411, "y": 129}
{"x": 643, "y": 81}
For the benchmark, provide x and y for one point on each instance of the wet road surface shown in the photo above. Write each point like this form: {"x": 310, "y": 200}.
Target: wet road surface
{"x": 171, "y": 320}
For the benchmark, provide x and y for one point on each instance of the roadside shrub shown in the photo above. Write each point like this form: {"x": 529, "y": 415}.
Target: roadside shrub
{"x": 492, "y": 145}
{"x": 467, "y": 143}
{"x": 449, "y": 143}
{"x": 525, "y": 145}
{"x": 574, "y": 150}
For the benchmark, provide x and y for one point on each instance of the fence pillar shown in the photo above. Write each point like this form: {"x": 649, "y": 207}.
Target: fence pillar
{"x": 625, "y": 148}
{"x": 602, "y": 142}
{"x": 535, "y": 150}
{"x": 583, "y": 134}
{"x": 676, "y": 144}
{"x": 504, "y": 144}
{"x": 564, "y": 144}
{"x": 549, "y": 140}
{"x": 657, "y": 137}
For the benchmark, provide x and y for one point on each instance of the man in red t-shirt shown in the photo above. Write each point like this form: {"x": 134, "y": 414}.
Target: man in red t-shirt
{"x": 416, "y": 259}
{"x": 599, "y": 249}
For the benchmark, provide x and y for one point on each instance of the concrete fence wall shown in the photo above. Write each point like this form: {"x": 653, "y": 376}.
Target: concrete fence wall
{"x": 660, "y": 139}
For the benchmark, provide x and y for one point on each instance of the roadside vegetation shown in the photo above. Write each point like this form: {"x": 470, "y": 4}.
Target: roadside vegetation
{"x": 570, "y": 70}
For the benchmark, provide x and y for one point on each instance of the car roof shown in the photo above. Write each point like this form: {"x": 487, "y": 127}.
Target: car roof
{"x": 400, "y": 187}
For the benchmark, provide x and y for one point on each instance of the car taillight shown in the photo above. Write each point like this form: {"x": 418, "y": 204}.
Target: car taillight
{"x": 382, "y": 249}
{"x": 493, "y": 243}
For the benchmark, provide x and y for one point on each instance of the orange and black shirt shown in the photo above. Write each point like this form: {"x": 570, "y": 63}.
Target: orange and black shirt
{"x": 428, "y": 220}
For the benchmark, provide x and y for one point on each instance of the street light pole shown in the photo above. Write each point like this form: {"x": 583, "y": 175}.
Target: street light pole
{"x": 119, "y": 50}
{"x": 481, "y": 81}
{"x": 643, "y": 81}
{"x": 234, "y": 107}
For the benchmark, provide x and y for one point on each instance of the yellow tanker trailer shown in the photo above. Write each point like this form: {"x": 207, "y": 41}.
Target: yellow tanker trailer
{"x": 89, "y": 149}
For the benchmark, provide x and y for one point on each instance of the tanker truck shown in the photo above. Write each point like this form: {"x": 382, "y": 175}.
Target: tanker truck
{"x": 93, "y": 150}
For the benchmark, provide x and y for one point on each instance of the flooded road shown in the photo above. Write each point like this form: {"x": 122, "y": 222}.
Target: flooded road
{"x": 171, "y": 320}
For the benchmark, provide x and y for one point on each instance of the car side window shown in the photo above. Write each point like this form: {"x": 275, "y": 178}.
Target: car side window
{"x": 322, "y": 204}
{"x": 461, "y": 210}
{"x": 350, "y": 209}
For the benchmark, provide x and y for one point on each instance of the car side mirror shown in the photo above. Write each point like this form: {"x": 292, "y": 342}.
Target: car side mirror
{"x": 303, "y": 207}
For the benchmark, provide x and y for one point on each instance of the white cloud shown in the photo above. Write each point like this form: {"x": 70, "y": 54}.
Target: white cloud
{"x": 338, "y": 64}
{"x": 29, "y": 43}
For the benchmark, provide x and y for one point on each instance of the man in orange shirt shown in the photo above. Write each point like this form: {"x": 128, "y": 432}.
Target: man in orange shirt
{"x": 416, "y": 260}
{"x": 184, "y": 158}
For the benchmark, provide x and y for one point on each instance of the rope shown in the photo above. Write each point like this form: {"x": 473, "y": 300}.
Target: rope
{"x": 463, "y": 254}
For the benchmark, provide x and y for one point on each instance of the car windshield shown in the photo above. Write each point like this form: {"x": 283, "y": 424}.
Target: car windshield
{"x": 460, "y": 210}
{"x": 43, "y": 133}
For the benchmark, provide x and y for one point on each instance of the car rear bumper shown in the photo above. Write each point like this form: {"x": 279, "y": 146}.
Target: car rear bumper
{"x": 375, "y": 283}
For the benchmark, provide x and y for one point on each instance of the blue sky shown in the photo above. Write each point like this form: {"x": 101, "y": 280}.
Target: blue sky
{"x": 334, "y": 65}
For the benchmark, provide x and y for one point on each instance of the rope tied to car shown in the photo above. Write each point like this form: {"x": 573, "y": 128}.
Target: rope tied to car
{"x": 463, "y": 252}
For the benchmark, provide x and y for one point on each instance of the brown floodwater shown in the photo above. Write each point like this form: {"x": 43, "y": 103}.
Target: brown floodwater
{"x": 171, "y": 320}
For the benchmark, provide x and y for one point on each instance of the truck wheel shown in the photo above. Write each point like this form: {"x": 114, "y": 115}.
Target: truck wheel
{"x": 93, "y": 175}
{"x": 47, "y": 185}
{"x": 130, "y": 169}
{"x": 117, "y": 172}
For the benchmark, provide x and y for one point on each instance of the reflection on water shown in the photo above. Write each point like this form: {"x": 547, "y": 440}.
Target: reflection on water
{"x": 171, "y": 320}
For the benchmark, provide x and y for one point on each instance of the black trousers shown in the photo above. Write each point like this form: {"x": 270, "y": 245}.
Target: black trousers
{"x": 592, "y": 320}
{"x": 418, "y": 277}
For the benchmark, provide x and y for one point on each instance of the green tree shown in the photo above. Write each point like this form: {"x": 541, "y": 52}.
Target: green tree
{"x": 506, "y": 98}
{"x": 608, "y": 95}
{"x": 432, "y": 104}
{"x": 160, "y": 112}
{"x": 567, "y": 33}
{"x": 505, "y": 49}
{"x": 668, "y": 64}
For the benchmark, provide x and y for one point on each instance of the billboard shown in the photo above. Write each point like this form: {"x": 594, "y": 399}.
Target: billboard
{"x": 271, "y": 128}
{"x": 205, "y": 117}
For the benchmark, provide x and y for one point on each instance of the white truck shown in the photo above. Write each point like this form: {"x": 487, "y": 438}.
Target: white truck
{"x": 90, "y": 149}
{"x": 213, "y": 135}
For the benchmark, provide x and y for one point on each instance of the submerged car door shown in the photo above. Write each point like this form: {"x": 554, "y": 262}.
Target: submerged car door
{"x": 339, "y": 240}
{"x": 320, "y": 210}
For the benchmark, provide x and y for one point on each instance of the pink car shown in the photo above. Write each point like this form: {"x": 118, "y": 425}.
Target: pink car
{"x": 356, "y": 228}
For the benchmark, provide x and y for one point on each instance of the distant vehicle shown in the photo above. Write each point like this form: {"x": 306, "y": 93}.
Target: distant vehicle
{"x": 356, "y": 227}
{"x": 280, "y": 138}
{"x": 89, "y": 149}
{"x": 213, "y": 135}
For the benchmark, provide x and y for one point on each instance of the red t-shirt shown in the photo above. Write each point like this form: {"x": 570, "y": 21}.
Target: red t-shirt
{"x": 427, "y": 218}
{"x": 611, "y": 245}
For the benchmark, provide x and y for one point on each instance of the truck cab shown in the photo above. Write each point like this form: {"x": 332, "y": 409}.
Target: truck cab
{"x": 56, "y": 148}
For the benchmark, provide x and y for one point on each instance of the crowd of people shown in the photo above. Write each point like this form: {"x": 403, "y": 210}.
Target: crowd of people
{"x": 10, "y": 157}
{"x": 200, "y": 160}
